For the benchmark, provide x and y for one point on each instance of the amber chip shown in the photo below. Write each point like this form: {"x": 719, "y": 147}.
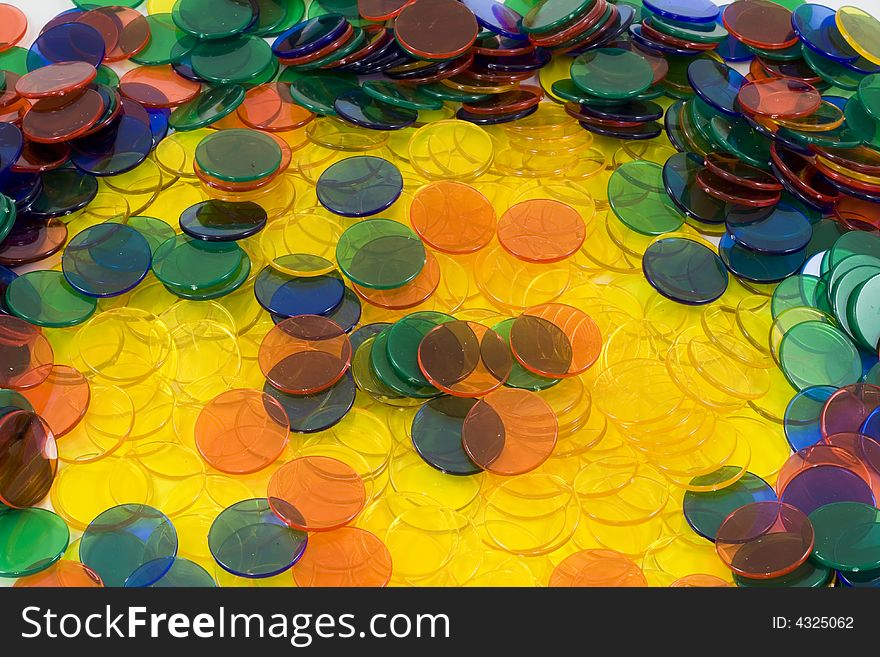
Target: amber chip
{"x": 598, "y": 568}
{"x": 452, "y": 217}
{"x": 305, "y": 354}
{"x": 242, "y": 431}
{"x": 555, "y": 340}
{"x": 465, "y": 359}
{"x": 316, "y": 493}
{"x": 62, "y": 399}
{"x": 348, "y": 556}
{"x": 541, "y": 230}
{"x": 510, "y": 431}
{"x": 157, "y": 86}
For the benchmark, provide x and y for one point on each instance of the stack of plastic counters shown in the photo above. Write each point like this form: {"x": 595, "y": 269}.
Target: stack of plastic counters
{"x": 523, "y": 336}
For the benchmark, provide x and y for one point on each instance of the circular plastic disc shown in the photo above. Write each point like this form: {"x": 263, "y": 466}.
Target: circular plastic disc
{"x": 26, "y": 355}
{"x": 612, "y": 73}
{"x": 386, "y": 377}
{"x": 53, "y": 120}
{"x": 541, "y": 231}
{"x": 123, "y": 538}
{"x": 14, "y": 26}
{"x": 509, "y": 431}
{"x": 555, "y": 340}
{"x": 241, "y": 60}
{"x": 685, "y": 270}
{"x": 700, "y": 12}
{"x": 45, "y": 298}
{"x": 706, "y": 510}
{"x": 817, "y": 486}
{"x": 601, "y": 568}
{"x": 241, "y": 431}
{"x": 780, "y": 229}
{"x": 124, "y": 30}
{"x": 359, "y": 186}
{"x": 816, "y": 27}
{"x": 63, "y": 573}
{"x": 861, "y": 31}
{"x": 247, "y": 539}
{"x": 716, "y": 83}
{"x": 270, "y": 107}
{"x": 760, "y": 24}
{"x": 452, "y": 217}
{"x": 802, "y": 416}
{"x": 316, "y": 493}
{"x": 831, "y": 458}
{"x": 436, "y": 29}
{"x": 317, "y": 412}
{"x": 157, "y": 86}
{"x": 309, "y": 36}
{"x": 758, "y": 267}
{"x": 840, "y": 364}
{"x": 118, "y": 147}
{"x": 66, "y": 42}
{"x": 347, "y": 557}
{"x": 403, "y": 340}
{"x": 639, "y": 200}
{"x": 214, "y": 20}
{"x": 286, "y": 295}
{"x": 305, "y": 354}
{"x": 364, "y": 111}
{"x": 735, "y": 170}
{"x": 170, "y": 572}
{"x": 380, "y": 254}
{"x": 106, "y": 260}
{"x": 465, "y": 359}
{"x": 220, "y": 221}
{"x": 28, "y": 456}
{"x": 520, "y": 377}
{"x": 417, "y": 291}
{"x": 848, "y": 408}
{"x": 34, "y": 539}
{"x": 182, "y": 262}
{"x": 762, "y": 540}
{"x": 846, "y": 536}
{"x": 437, "y": 435}
{"x": 55, "y": 80}
{"x": 784, "y": 98}
{"x": 208, "y": 107}
{"x": 238, "y": 155}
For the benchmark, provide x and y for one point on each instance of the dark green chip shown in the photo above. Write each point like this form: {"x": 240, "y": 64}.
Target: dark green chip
{"x": 211, "y": 105}
{"x": 238, "y": 155}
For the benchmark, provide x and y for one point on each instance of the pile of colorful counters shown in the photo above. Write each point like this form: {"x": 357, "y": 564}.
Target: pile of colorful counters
{"x": 317, "y": 326}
